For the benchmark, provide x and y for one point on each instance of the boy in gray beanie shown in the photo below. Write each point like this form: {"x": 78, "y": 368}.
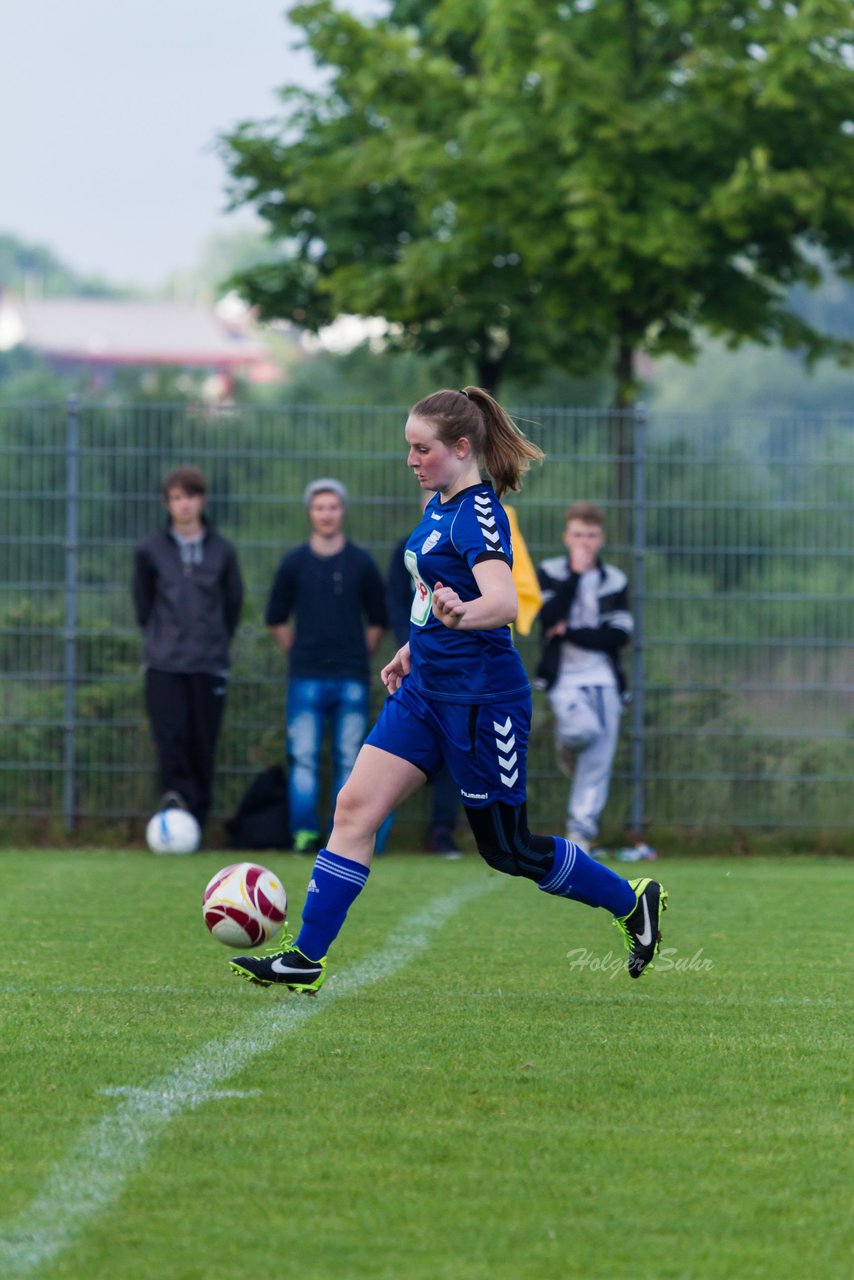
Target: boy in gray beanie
{"x": 327, "y": 611}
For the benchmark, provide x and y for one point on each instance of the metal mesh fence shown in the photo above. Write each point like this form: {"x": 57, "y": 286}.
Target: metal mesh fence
{"x": 736, "y": 532}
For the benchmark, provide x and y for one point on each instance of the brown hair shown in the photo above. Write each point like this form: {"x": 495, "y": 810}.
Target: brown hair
{"x": 587, "y": 512}
{"x": 505, "y": 451}
{"x": 189, "y": 479}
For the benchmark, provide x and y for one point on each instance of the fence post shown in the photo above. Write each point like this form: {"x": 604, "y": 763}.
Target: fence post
{"x": 638, "y": 595}
{"x": 70, "y": 633}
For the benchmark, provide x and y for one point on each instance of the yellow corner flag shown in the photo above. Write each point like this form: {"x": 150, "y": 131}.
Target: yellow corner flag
{"x": 525, "y": 578}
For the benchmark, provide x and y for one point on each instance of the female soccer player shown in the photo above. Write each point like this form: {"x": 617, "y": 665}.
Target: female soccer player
{"x": 459, "y": 693}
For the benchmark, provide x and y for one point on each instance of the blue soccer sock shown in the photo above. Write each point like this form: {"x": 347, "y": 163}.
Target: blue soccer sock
{"x": 334, "y": 886}
{"x": 574, "y": 874}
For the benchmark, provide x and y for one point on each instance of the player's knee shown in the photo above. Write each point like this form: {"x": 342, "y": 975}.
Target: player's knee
{"x": 505, "y": 843}
{"x": 498, "y": 859}
{"x": 354, "y": 811}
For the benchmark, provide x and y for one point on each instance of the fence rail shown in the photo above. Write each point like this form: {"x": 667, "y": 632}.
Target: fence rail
{"x": 736, "y": 531}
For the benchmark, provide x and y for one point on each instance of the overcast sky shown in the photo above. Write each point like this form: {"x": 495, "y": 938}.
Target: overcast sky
{"x": 109, "y": 110}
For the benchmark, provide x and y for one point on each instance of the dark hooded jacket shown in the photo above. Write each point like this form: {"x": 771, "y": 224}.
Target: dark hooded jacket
{"x": 188, "y": 612}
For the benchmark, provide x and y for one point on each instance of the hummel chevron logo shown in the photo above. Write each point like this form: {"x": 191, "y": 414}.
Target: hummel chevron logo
{"x": 505, "y": 741}
{"x": 645, "y": 936}
{"x": 486, "y": 520}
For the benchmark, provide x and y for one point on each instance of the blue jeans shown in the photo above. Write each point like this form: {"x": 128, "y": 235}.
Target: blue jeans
{"x": 311, "y": 705}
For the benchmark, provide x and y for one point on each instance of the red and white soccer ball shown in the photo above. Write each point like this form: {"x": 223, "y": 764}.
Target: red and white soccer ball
{"x": 244, "y": 905}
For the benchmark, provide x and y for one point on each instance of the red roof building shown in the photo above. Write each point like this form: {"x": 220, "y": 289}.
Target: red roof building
{"x": 88, "y": 334}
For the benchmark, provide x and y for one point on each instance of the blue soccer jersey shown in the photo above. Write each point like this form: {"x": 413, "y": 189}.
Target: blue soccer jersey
{"x": 449, "y": 664}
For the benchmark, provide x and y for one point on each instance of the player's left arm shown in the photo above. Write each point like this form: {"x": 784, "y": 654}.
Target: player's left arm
{"x": 496, "y": 606}
{"x": 394, "y": 672}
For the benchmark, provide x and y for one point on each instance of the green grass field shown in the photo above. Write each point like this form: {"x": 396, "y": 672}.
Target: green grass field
{"x": 478, "y": 1093}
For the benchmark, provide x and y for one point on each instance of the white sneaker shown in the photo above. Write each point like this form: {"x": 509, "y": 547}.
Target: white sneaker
{"x": 638, "y": 853}
{"x": 597, "y": 852}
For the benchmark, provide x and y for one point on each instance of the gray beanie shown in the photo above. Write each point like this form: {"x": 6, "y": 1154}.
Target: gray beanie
{"x": 325, "y": 485}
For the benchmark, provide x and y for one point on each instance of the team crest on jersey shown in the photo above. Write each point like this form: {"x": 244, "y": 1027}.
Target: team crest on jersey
{"x": 422, "y": 596}
{"x": 430, "y": 541}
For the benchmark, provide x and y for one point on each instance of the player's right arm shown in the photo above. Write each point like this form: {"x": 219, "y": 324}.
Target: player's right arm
{"x": 393, "y": 672}
{"x": 496, "y": 606}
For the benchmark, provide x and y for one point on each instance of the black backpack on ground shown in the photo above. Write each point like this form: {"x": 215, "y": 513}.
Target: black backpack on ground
{"x": 262, "y": 820}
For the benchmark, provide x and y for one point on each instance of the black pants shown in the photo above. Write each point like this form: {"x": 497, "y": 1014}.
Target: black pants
{"x": 185, "y": 713}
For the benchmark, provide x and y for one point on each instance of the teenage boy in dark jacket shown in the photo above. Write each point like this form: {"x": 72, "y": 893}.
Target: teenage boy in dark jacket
{"x": 586, "y": 624}
{"x": 188, "y": 594}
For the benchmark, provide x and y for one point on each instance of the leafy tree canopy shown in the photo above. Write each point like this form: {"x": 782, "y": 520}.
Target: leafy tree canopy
{"x": 522, "y": 184}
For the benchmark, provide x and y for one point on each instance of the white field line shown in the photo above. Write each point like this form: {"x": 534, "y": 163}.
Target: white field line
{"x": 593, "y": 995}
{"x": 70, "y": 989}
{"x": 93, "y": 1174}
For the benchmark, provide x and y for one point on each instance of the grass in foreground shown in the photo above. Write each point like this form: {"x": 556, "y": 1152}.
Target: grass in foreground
{"x": 507, "y": 1104}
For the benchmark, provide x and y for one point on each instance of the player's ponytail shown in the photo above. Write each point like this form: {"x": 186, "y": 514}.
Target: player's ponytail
{"x": 505, "y": 451}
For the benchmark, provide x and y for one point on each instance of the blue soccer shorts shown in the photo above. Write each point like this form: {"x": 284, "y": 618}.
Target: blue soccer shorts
{"x": 484, "y": 745}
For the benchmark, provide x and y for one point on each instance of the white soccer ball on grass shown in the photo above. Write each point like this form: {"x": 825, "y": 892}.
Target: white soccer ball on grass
{"x": 173, "y": 831}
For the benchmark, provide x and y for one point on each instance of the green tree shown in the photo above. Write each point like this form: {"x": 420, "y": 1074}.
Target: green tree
{"x": 522, "y": 185}
{"x": 32, "y": 268}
